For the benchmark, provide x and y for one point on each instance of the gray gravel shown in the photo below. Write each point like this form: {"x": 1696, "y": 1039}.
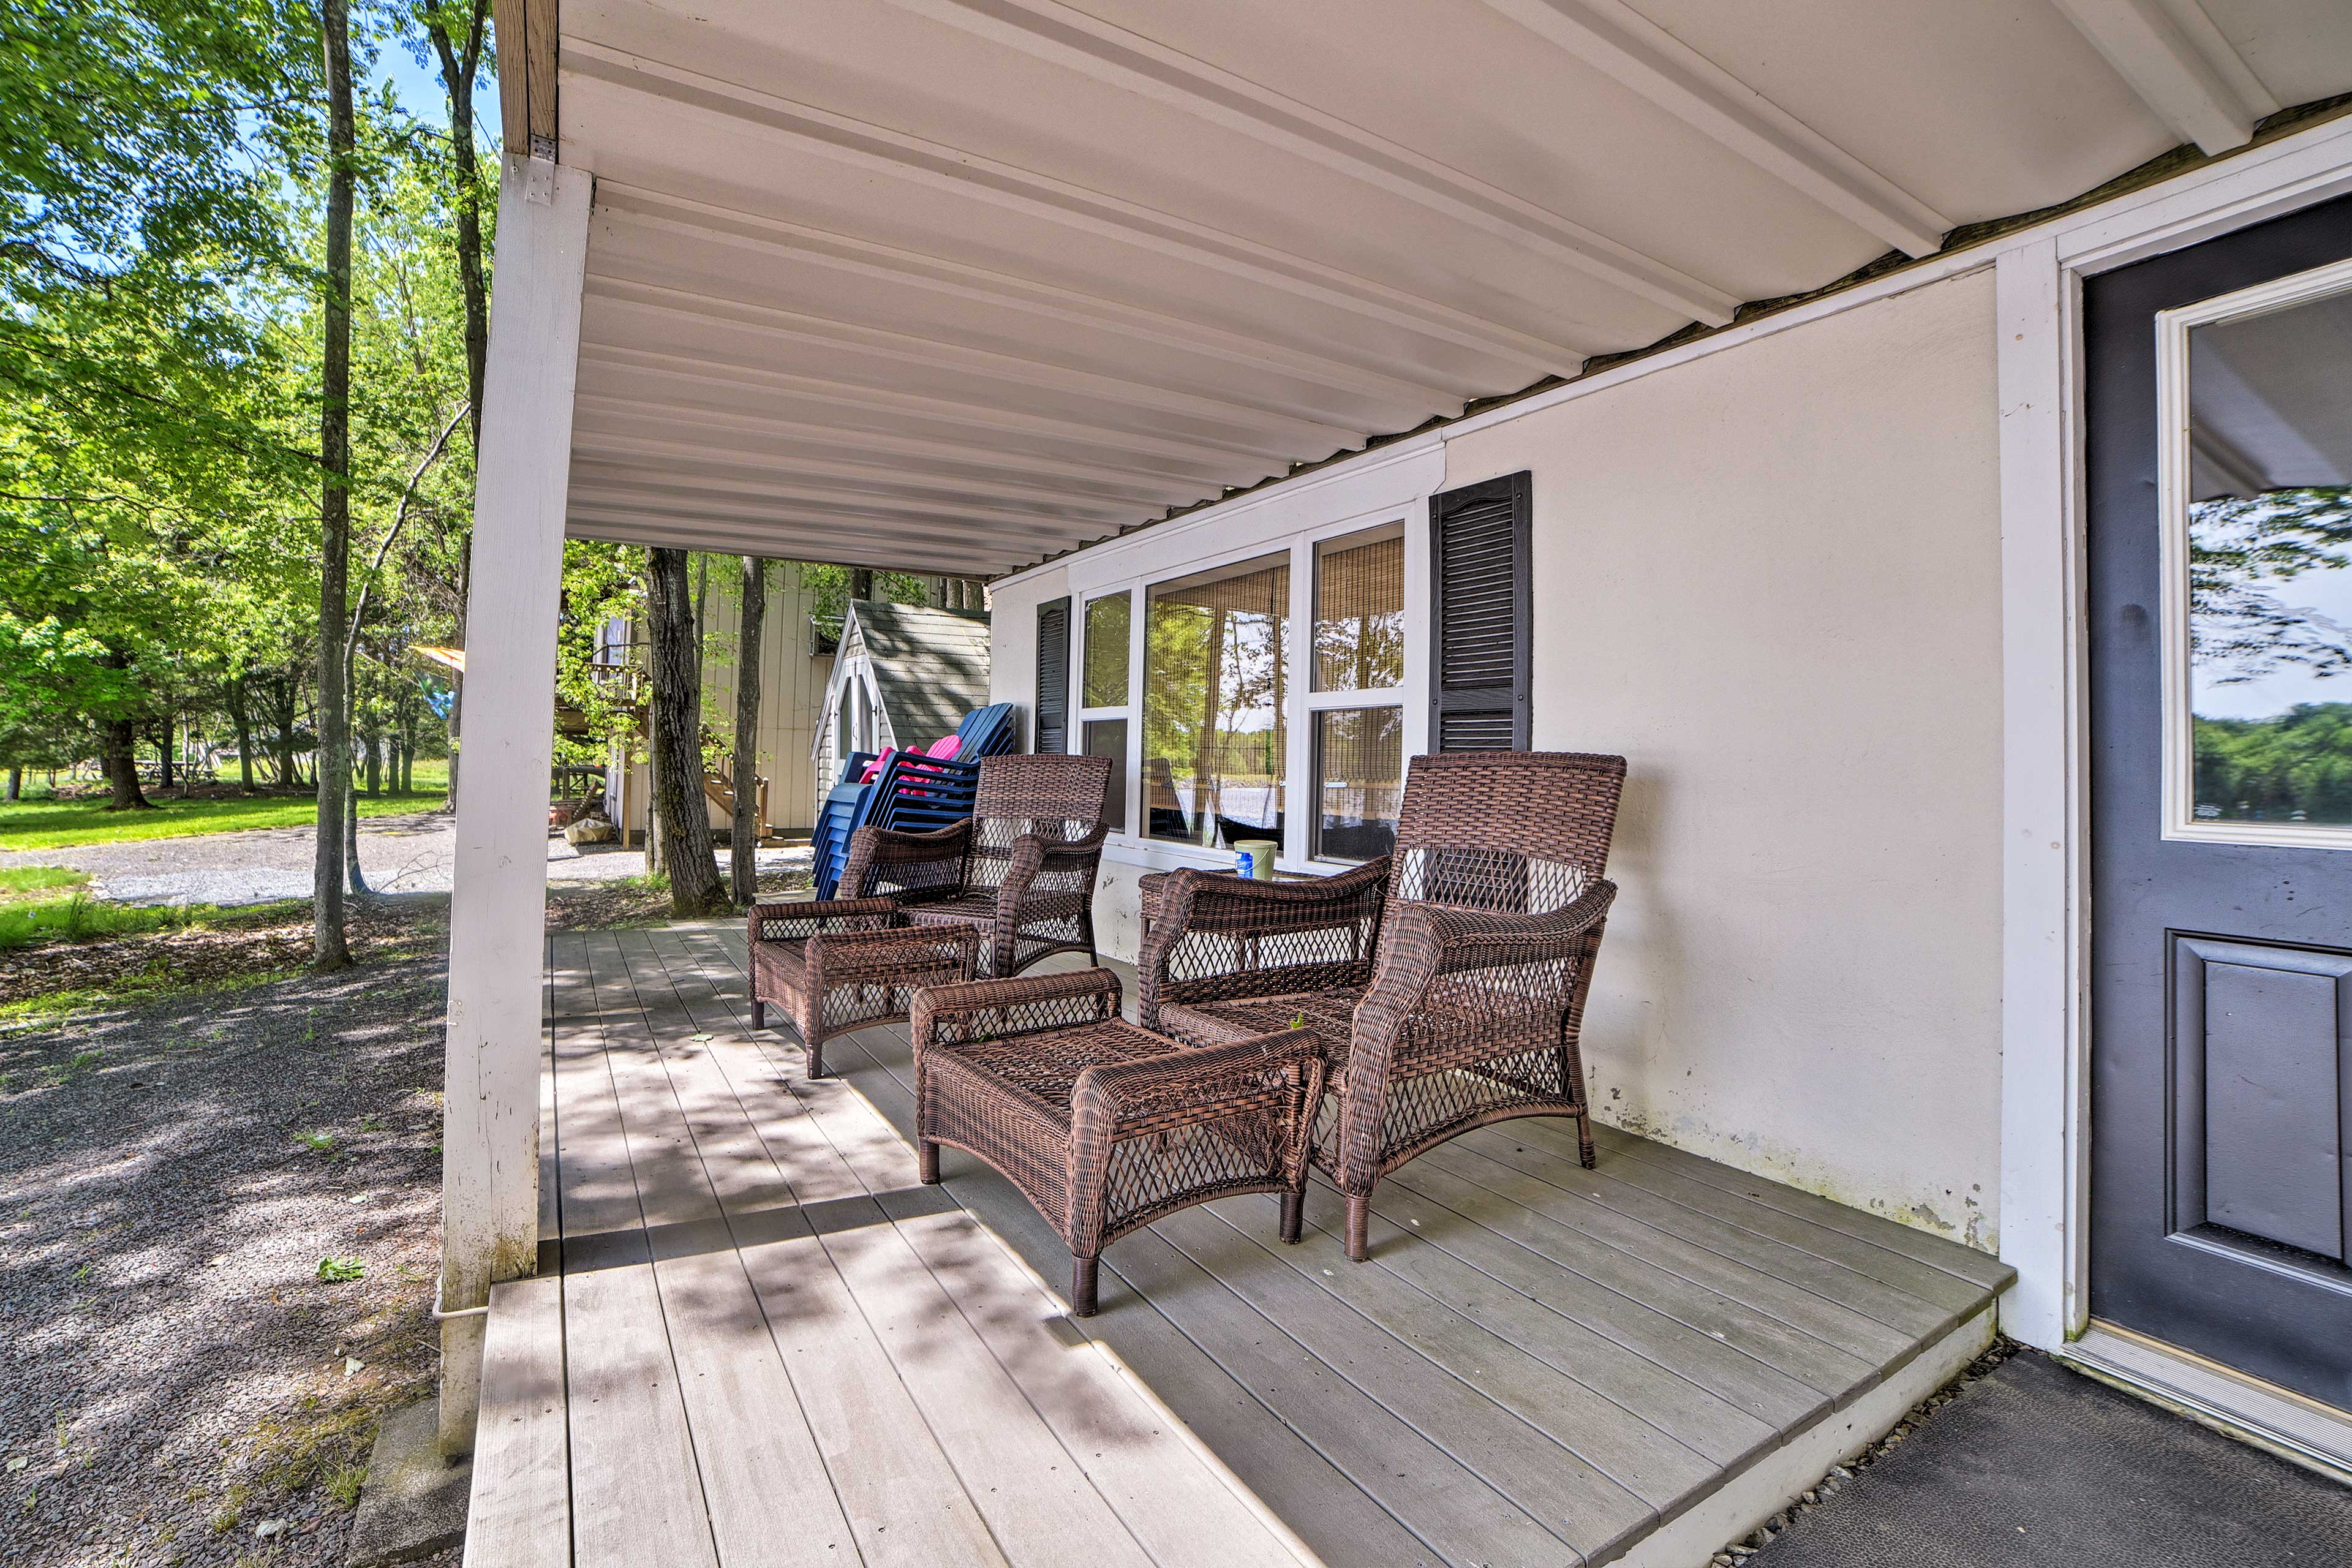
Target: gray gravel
{"x": 163, "y": 1335}
{"x": 408, "y": 854}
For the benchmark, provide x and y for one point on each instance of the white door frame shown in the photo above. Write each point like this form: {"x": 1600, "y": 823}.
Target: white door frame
{"x": 2045, "y": 1035}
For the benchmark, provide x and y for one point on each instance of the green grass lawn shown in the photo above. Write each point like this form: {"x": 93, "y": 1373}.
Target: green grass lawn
{"x": 77, "y": 917}
{"x": 54, "y": 824}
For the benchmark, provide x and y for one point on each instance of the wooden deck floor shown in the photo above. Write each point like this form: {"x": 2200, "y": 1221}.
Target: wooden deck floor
{"x": 757, "y": 1339}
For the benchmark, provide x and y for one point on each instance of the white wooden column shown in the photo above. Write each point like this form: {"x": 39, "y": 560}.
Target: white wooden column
{"x": 490, "y": 1147}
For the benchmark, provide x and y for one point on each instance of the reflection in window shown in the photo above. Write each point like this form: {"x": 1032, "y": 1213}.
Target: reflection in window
{"x": 1107, "y": 619}
{"x": 1360, "y": 774}
{"x": 2270, "y": 565}
{"x": 1107, "y": 738}
{"x": 1359, "y": 610}
{"x": 1214, "y": 703}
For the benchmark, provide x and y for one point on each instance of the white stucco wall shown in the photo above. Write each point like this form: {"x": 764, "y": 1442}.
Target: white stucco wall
{"x": 1771, "y": 578}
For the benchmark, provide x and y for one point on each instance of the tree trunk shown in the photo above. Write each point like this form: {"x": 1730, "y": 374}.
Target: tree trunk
{"x": 460, "y": 59}
{"x": 15, "y": 784}
{"x": 353, "y": 878}
{"x": 330, "y": 951}
{"x": 243, "y": 721}
{"x": 677, "y": 708}
{"x": 118, "y": 756}
{"x": 861, "y": 583}
{"x": 743, "y": 832}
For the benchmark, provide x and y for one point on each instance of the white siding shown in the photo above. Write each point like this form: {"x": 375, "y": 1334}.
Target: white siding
{"x": 1771, "y": 578}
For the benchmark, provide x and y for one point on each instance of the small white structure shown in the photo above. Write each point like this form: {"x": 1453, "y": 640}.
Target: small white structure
{"x": 903, "y": 674}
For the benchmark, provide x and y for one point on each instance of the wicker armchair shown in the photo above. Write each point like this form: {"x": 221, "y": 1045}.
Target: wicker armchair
{"x": 1447, "y": 983}
{"x": 1021, "y": 867}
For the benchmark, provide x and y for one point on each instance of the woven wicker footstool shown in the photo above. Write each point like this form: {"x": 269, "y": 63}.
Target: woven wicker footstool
{"x": 1102, "y": 1126}
{"x": 843, "y": 964}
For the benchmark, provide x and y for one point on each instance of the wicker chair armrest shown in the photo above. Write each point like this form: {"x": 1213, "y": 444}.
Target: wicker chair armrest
{"x": 797, "y": 918}
{"x": 1216, "y": 907}
{"x": 1033, "y": 854}
{"x": 1193, "y": 1081}
{"x": 887, "y": 852}
{"x": 1006, "y": 1008}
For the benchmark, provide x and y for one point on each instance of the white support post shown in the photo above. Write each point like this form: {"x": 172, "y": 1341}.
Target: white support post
{"x": 2041, "y": 1093}
{"x": 489, "y": 1158}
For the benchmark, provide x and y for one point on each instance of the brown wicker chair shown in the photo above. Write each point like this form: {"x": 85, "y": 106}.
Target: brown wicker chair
{"x": 1447, "y": 983}
{"x": 1021, "y": 867}
{"x": 1103, "y": 1127}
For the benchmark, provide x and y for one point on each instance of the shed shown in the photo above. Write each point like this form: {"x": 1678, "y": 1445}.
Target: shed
{"x": 903, "y": 674}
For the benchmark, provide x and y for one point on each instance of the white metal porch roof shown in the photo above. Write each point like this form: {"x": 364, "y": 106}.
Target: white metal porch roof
{"x": 952, "y": 285}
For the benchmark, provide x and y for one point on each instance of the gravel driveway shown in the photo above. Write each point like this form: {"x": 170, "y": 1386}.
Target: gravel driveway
{"x": 410, "y": 854}
{"x": 174, "y": 1377}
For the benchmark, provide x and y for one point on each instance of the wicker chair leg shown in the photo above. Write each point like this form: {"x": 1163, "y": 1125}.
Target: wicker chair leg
{"x": 816, "y": 1059}
{"x": 1082, "y": 1285}
{"x": 759, "y": 1014}
{"x": 927, "y": 1161}
{"x": 1293, "y": 1215}
{"x": 1584, "y": 1150}
{"x": 1359, "y": 1223}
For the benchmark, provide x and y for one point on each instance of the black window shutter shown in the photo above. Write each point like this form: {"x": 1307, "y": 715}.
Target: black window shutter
{"x": 1481, "y": 616}
{"x": 1052, "y": 732}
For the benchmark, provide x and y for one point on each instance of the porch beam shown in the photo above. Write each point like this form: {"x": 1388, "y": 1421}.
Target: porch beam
{"x": 1050, "y": 31}
{"x": 753, "y": 464}
{"x": 822, "y": 544}
{"x": 2184, "y": 70}
{"x": 940, "y": 531}
{"x": 788, "y": 327}
{"x": 686, "y": 498}
{"x": 1130, "y": 467}
{"x": 489, "y": 1140}
{"x": 963, "y": 282}
{"x": 1224, "y": 459}
{"x": 599, "y": 474}
{"x": 879, "y": 150}
{"x": 1639, "y": 55}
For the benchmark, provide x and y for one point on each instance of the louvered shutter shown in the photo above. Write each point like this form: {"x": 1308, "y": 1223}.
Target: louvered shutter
{"x": 1482, "y": 617}
{"x": 1053, "y": 731}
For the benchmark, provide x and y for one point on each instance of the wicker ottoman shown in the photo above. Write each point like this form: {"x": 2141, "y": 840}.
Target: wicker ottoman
{"x": 1102, "y": 1126}
{"x": 843, "y": 964}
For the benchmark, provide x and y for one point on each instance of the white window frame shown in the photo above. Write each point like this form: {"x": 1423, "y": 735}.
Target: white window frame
{"x": 1308, "y": 812}
{"x": 2173, "y": 496}
{"x": 1291, "y": 520}
{"x": 1126, "y": 709}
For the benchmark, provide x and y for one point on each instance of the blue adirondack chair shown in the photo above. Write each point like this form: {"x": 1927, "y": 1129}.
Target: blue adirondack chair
{"x": 912, "y": 794}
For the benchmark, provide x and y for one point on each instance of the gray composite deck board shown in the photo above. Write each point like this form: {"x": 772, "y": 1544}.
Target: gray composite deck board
{"x": 763, "y": 1315}
{"x": 1981, "y": 1269}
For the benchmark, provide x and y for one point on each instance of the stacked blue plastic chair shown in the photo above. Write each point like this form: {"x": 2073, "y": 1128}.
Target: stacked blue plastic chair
{"x": 912, "y": 794}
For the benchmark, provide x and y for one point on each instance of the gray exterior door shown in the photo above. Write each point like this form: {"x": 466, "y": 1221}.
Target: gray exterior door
{"x": 2220, "y": 729}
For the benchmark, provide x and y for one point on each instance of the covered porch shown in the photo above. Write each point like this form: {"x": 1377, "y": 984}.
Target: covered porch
{"x": 1767, "y": 342}
{"x": 754, "y": 1337}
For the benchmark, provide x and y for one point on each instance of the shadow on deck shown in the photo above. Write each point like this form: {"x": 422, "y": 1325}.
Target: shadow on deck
{"x": 757, "y": 1339}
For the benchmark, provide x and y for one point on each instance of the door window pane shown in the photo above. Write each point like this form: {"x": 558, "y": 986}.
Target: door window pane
{"x": 1108, "y": 620}
{"x": 1359, "y": 610}
{"x": 2269, "y": 566}
{"x": 1213, "y": 701}
{"x": 1107, "y": 738}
